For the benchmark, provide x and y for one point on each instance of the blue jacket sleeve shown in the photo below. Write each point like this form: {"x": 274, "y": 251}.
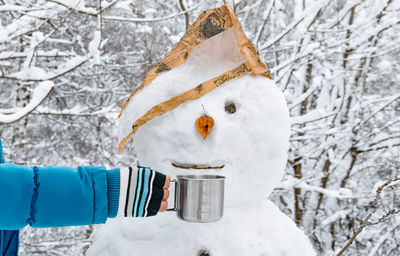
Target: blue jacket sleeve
{"x": 53, "y": 196}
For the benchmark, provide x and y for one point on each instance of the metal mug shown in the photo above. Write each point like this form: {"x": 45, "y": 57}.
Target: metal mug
{"x": 199, "y": 198}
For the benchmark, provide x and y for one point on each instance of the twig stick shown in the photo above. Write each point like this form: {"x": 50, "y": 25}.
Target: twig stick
{"x": 365, "y": 222}
{"x": 197, "y": 167}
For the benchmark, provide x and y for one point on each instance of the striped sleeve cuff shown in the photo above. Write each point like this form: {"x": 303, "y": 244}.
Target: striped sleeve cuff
{"x": 141, "y": 192}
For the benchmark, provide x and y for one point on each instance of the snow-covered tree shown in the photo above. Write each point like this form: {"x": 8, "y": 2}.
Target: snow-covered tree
{"x": 66, "y": 67}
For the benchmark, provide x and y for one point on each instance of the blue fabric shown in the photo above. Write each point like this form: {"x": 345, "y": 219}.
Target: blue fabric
{"x": 147, "y": 173}
{"x": 139, "y": 184}
{"x": 99, "y": 186}
{"x": 10, "y": 242}
{"x": 1, "y": 153}
{"x": 69, "y": 197}
{"x": 9, "y": 239}
{"x": 52, "y": 196}
{"x": 113, "y": 186}
{"x": 16, "y": 189}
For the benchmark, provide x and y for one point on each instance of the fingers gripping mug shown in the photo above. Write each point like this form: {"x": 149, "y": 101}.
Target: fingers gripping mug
{"x": 199, "y": 198}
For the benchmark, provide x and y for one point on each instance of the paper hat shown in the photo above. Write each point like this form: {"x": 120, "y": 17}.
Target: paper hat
{"x": 209, "y": 24}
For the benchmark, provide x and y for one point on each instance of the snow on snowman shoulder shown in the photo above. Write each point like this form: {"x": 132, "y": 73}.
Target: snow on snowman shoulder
{"x": 210, "y": 107}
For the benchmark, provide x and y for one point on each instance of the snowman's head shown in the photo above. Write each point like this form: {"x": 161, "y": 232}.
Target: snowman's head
{"x": 248, "y": 140}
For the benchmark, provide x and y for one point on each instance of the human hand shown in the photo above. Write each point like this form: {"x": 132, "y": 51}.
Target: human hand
{"x": 164, "y": 202}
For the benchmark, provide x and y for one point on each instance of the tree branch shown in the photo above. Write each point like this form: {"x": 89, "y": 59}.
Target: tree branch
{"x": 39, "y": 94}
{"x": 365, "y": 222}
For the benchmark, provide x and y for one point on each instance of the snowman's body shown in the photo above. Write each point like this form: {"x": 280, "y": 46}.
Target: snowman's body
{"x": 251, "y": 143}
{"x": 253, "y": 229}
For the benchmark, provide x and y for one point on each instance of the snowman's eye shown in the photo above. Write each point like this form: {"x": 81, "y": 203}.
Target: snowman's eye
{"x": 230, "y": 107}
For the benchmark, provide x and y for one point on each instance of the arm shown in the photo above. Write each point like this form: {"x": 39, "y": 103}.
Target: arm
{"x": 64, "y": 196}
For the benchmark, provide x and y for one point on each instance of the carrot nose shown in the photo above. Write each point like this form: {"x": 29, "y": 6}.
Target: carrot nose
{"x": 204, "y": 124}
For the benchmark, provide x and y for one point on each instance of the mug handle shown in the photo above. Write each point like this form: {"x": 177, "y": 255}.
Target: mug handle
{"x": 175, "y": 196}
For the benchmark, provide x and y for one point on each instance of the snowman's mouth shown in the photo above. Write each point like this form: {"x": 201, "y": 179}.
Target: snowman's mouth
{"x": 197, "y": 166}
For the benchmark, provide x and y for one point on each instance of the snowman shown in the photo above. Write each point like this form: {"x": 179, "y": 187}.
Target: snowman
{"x": 204, "y": 112}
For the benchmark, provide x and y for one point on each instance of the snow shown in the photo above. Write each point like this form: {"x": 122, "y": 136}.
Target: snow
{"x": 9, "y": 110}
{"x": 24, "y": 24}
{"x": 356, "y": 58}
{"x": 311, "y": 116}
{"x": 38, "y": 95}
{"x": 94, "y": 46}
{"x": 31, "y": 73}
{"x": 77, "y": 111}
{"x": 166, "y": 30}
{"x": 382, "y": 238}
{"x": 342, "y": 193}
{"x": 145, "y": 29}
{"x": 308, "y": 13}
{"x": 95, "y": 43}
{"x": 38, "y": 74}
{"x": 255, "y": 229}
{"x": 77, "y": 5}
{"x": 300, "y": 99}
{"x": 254, "y": 138}
{"x": 51, "y": 53}
{"x": 252, "y": 143}
{"x": 384, "y": 65}
{"x": 335, "y": 217}
{"x": 3, "y": 34}
{"x": 12, "y": 7}
{"x": 36, "y": 38}
{"x": 175, "y": 38}
{"x": 185, "y": 77}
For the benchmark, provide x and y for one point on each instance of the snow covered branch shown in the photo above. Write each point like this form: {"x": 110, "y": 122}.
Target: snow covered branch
{"x": 311, "y": 11}
{"x": 342, "y": 193}
{"x": 374, "y": 206}
{"x": 336, "y": 61}
{"x": 79, "y": 6}
{"x": 39, "y": 94}
{"x": 38, "y": 74}
{"x": 390, "y": 101}
{"x": 117, "y": 18}
{"x": 312, "y": 116}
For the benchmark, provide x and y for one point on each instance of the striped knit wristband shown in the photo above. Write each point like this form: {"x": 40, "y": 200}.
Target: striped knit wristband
{"x": 141, "y": 192}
